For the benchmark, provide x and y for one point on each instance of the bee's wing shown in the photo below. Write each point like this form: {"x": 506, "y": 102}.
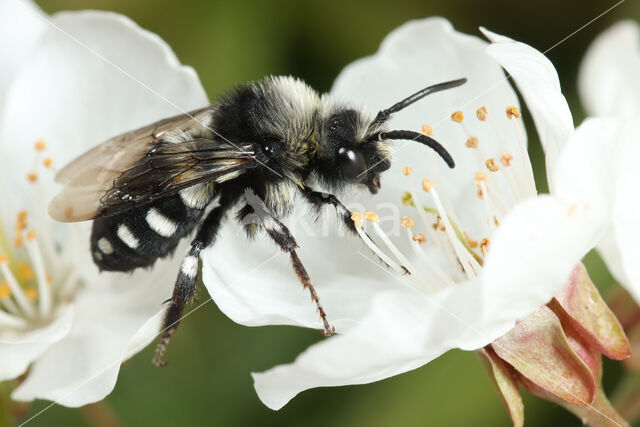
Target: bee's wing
{"x": 140, "y": 166}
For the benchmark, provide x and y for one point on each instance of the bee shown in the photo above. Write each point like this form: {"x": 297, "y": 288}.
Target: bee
{"x": 252, "y": 152}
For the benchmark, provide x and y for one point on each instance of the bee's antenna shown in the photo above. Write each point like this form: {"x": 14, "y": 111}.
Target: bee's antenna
{"x": 384, "y": 114}
{"x": 422, "y": 139}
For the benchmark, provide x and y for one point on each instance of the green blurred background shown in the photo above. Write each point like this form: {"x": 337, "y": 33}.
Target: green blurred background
{"x": 208, "y": 382}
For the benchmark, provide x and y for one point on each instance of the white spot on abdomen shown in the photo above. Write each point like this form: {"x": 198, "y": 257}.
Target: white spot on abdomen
{"x": 105, "y": 246}
{"x": 189, "y": 266}
{"x": 160, "y": 223}
{"x": 127, "y": 236}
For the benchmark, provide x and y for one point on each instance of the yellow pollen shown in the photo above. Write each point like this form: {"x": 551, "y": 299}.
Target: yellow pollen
{"x": 439, "y": 225}
{"x": 47, "y": 162}
{"x": 32, "y": 177}
{"x": 419, "y": 237}
{"x": 24, "y": 271}
{"x": 513, "y": 112}
{"x": 491, "y": 164}
{"x": 407, "y": 222}
{"x": 40, "y": 145}
{"x": 472, "y": 243}
{"x": 480, "y": 177}
{"x": 18, "y": 241}
{"x": 357, "y": 219}
{"x": 472, "y": 142}
{"x": 427, "y": 130}
{"x": 5, "y": 290}
{"x": 495, "y": 221}
{"x": 371, "y": 216}
{"x": 506, "y": 159}
{"x": 482, "y": 113}
{"x": 4, "y": 259}
{"x": 457, "y": 116}
{"x": 479, "y": 193}
{"x": 31, "y": 236}
{"x": 406, "y": 171}
{"x": 484, "y": 246}
{"x": 31, "y": 293}
{"x": 22, "y": 216}
{"x": 427, "y": 185}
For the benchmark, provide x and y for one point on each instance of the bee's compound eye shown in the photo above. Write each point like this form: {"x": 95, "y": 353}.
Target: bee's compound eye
{"x": 351, "y": 163}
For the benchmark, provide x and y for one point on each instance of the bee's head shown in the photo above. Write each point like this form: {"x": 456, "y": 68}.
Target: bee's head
{"x": 351, "y": 156}
{"x": 356, "y": 149}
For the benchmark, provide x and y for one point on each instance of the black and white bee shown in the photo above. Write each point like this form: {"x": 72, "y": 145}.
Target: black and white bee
{"x": 253, "y": 151}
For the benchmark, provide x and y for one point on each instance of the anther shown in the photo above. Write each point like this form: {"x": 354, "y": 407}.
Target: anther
{"x": 427, "y": 185}
{"x": 4, "y": 260}
{"x": 457, "y": 116}
{"x": 484, "y": 246}
{"x": 5, "y": 290}
{"x": 506, "y": 159}
{"x": 31, "y": 235}
{"x": 371, "y": 216}
{"x": 439, "y": 225}
{"x": 480, "y": 178}
{"x": 40, "y": 145}
{"x": 495, "y": 221}
{"x": 407, "y": 199}
{"x": 513, "y": 112}
{"x": 407, "y": 222}
{"x": 491, "y": 164}
{"x": 482, "y": 113}
{"x": 357, "y": 219}
{"x": 427, "y": 130}
{"x": 472, "y": 243}
{"x": 31, "y": 293}
{"x": 472, "y": 142}
{"x": 406, "y": 171}
{"x": 419, "y": 237}
{"x": 47, "y": 162}
{"x": 32, "y": 177}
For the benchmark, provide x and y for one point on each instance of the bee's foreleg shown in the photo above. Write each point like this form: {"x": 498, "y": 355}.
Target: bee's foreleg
{"x": 184, "y": 290}
{"x": 256, "y": 214}
{"x": 319, "y": 199}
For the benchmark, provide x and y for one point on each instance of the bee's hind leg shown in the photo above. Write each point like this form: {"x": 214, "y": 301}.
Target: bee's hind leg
{"x": 184, "y": 291}
{"x": 255, "y": 213}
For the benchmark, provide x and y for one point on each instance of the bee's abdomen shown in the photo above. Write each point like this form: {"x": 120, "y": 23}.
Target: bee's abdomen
{"x": 138, "y": 237}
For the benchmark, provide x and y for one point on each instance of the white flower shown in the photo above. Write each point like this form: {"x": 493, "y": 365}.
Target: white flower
{"x": 389, "y": 324}
{"x": 610, "y": 87}
{"x": 72, "y": 325}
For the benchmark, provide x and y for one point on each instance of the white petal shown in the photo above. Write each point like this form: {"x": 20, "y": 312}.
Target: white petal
{"x": 113, "y": 321}
{"x": 253, "y": 283}
{"x": 626, "y": 212}
{"x": 608, "y": 77}
{"x": 538, "y": 83}
{"x": 401, "y": 333}
{"x": 21, "y": 25}
{"x": 86, "y": 83}
{"x": 19, "y": 350}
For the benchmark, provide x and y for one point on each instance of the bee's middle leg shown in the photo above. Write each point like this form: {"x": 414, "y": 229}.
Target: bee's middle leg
{"x": 255, "y": 214}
